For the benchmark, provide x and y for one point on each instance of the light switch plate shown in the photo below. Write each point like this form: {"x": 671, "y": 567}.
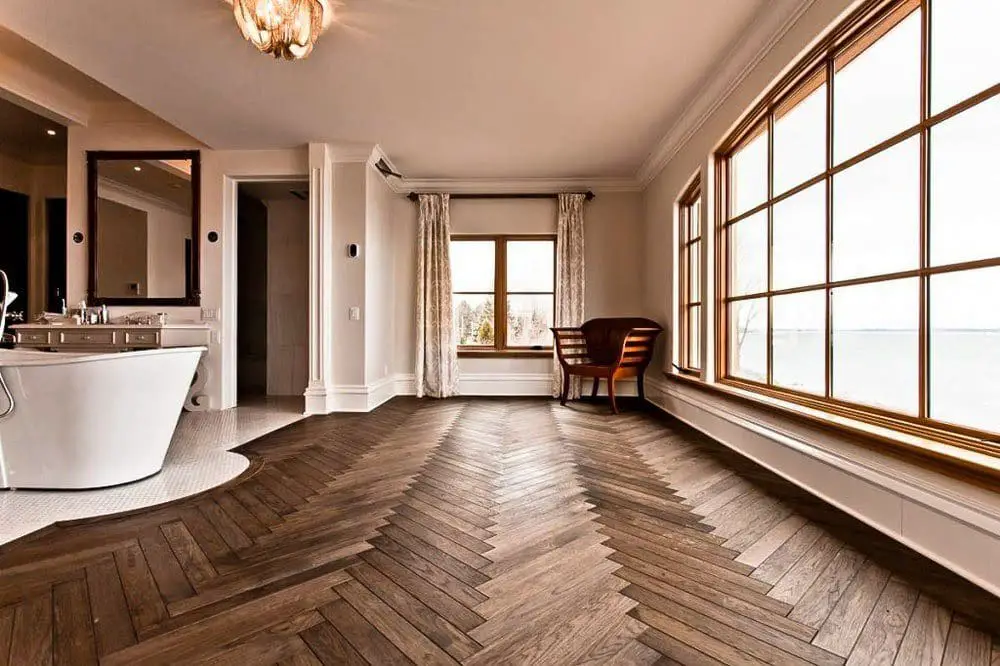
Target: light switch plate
{"x": 355, "y": 313}
{"x": 209, "y": 314}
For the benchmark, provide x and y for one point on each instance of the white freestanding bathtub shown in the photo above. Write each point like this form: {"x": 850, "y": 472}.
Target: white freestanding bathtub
{"x": 90, "y": 420}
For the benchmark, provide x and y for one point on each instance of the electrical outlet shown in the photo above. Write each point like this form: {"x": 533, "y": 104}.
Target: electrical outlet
{"x": 217, "y": 337}
{"x": 355, "y": 314}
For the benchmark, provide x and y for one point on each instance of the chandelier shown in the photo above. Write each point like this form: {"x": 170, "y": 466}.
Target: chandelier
{"x": 283, "y": 28}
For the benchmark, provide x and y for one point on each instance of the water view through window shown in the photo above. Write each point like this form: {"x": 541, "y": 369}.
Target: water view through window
{"x": 838, "y": 287}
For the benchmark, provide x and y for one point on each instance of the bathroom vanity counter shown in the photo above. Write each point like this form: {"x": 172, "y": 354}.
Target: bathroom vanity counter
{"x": 104, "y": 338}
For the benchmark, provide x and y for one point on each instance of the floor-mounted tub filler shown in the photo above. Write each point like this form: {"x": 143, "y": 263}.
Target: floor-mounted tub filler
{"x": 75, "y": 421}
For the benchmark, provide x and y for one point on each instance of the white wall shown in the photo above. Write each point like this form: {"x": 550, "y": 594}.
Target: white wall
{"x": 613, "y": 268}
{"x": 950, "y": 521}
{"x": 379, "y": 272}
{"x": 287, "y": 296}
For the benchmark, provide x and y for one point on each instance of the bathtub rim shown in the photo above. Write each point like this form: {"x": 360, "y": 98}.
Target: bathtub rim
{"x": 65, "y": 358}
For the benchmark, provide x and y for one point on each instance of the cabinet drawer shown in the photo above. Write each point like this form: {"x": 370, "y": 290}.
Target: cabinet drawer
{"x": 87, "y": 337}
{"x": 142, "y": 338}
{"x": 32, "y": 337}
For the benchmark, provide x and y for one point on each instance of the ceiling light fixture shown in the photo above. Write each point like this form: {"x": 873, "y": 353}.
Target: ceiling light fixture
{"x": 283, "y": 28}
{"x": 137, "y": 168}
{"x": 50, "y": 132}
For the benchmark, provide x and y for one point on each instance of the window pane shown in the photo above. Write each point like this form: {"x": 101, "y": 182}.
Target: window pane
{"x": 749, "y": 175}
{"x": 965, "y": 349}
{"x": 531, "y": 265}
{"x": 876, "y": 214}
{"x": 875, "y": 347}
{"x": 472, "y": 265}
{"x": 799, "y": 360}
{"x": 694, "y": 337}
{"x": 877, "y": 94}
{"x": 964, "y": 178}
{"x": 748, "y": 255}
{"x": 748, "y": 339}
{"x": 528, "y": 320}
{"x": 474, "y": 322}
{"x": 694, "y": 214}
{"x": 800, "y": 140}
{"x": 694, "y": 272}
{"x": 800, "y": 239}
{"x": 965, "y": 51}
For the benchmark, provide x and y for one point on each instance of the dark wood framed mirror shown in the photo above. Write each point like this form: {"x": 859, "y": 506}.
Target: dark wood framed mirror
{"x": 144, "y": 221}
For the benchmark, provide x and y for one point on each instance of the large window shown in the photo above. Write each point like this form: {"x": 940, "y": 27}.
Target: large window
{"x": 860, "y": 249}
{"x": 690, "y": 300}
{"x": 503, "y": 293}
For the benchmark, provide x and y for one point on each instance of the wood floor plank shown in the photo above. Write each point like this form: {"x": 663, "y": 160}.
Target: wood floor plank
{"x": 365, "y": 638}
{"x": 452, "y": 610}
{"x": 73, "y": 634}
{"x": 819, "y": 599}
{"x": 410, "y": 641}
{"x": 966, "y": 647}
{"x": 108, "y": 608}
{"x": 880, "y": 639}
{"x": 190, "y": 556}
{"x": 31, "y": 637}
{"x": 144, "y": 600}
{"x": 444, "y": 634}
{"x": 330, "y": 647}
{"x": 924, "y": 641}
{"x": 842, "y": 627}
{"x": 6, "y": 629}
{"x": 173, "y": 585}
{"x": 705, "y": 643}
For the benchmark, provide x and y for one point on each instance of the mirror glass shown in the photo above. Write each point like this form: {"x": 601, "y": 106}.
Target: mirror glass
{"x": 144, "y": 229}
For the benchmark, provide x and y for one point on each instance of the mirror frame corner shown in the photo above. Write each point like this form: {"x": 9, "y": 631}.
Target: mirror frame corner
{"x": 94, "y": 157}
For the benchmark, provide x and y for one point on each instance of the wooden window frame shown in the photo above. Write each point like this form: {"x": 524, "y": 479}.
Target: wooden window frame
{"x": 500, "y": 294}
{"x": 687, "y": 245}
{"x": 847, "y": 40}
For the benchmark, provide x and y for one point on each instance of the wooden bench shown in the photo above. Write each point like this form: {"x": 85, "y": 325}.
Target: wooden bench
{"x": 609, "y": 348}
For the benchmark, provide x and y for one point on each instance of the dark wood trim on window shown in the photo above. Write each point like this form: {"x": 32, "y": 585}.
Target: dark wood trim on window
{"x": 500, "y": 349}
{"x": 848, "y": 40}
{"x": 689, "y": 245}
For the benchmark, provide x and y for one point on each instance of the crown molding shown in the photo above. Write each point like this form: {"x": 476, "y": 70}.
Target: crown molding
{"x": 516, "y": 185}
{"x": 763, "y": 34}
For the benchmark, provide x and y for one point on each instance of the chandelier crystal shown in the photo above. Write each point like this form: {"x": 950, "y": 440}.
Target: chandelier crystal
{"x": 283, "y": 28}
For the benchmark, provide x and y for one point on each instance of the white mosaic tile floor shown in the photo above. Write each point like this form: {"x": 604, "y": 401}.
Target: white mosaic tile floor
{"x": 198, "y": 459}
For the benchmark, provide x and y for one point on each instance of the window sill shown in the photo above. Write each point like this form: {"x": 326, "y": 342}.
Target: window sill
{"x": 505, "y": 353}
{"x": 971, "y": 461}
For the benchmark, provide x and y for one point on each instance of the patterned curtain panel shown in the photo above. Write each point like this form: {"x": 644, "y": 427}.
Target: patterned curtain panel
{"x": 437, "y": 353}
{"x": 570, "y": 281}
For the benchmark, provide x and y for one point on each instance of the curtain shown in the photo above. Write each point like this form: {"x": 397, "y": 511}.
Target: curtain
{"x": 437, "y": 353}
{"x": 570, "y": 281}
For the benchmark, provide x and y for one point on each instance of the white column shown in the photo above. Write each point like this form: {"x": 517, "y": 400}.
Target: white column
{"x": 319, "y": 393}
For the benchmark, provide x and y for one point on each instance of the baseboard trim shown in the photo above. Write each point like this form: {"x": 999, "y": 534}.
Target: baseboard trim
{"x": 512, "y": 384}
{"x": 962, "y": 536}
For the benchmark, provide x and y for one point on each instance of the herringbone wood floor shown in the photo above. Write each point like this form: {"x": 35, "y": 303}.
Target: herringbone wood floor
{"x": 486, "y": 532}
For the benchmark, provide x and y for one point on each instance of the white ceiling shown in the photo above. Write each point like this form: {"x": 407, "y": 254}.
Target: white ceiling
{"x": 449, "y": 88}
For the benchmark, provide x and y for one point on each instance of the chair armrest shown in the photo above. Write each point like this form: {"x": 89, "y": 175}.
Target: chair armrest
{"x": 570, "y": 344}
{"x": 637, "y": 347}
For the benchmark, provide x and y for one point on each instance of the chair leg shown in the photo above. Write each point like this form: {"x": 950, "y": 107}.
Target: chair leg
{"x": 642, "y": 389}
{"x": 593, "y": 391}
{"x": 611, "y": 394}
{"x": 565, "y": 391}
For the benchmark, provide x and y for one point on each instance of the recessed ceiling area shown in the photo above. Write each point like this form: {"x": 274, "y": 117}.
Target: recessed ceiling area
{"x": 30, "y": 138}
{"x": 272, "y": 190}
{"x": 449, "y": 88}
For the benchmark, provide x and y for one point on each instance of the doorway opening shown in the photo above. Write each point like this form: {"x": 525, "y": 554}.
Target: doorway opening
{"x": 272, "y": 301}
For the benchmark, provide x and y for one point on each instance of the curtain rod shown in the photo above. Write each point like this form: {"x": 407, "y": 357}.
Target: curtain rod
{"x": 413, "y": 196}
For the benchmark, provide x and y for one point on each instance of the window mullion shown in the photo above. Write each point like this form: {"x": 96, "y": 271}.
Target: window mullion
{"x": 828, "y": 331}
{"x": 923, "y": 322}
{"x": 769, "y": 357}
{"x": 500, "y": 298}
